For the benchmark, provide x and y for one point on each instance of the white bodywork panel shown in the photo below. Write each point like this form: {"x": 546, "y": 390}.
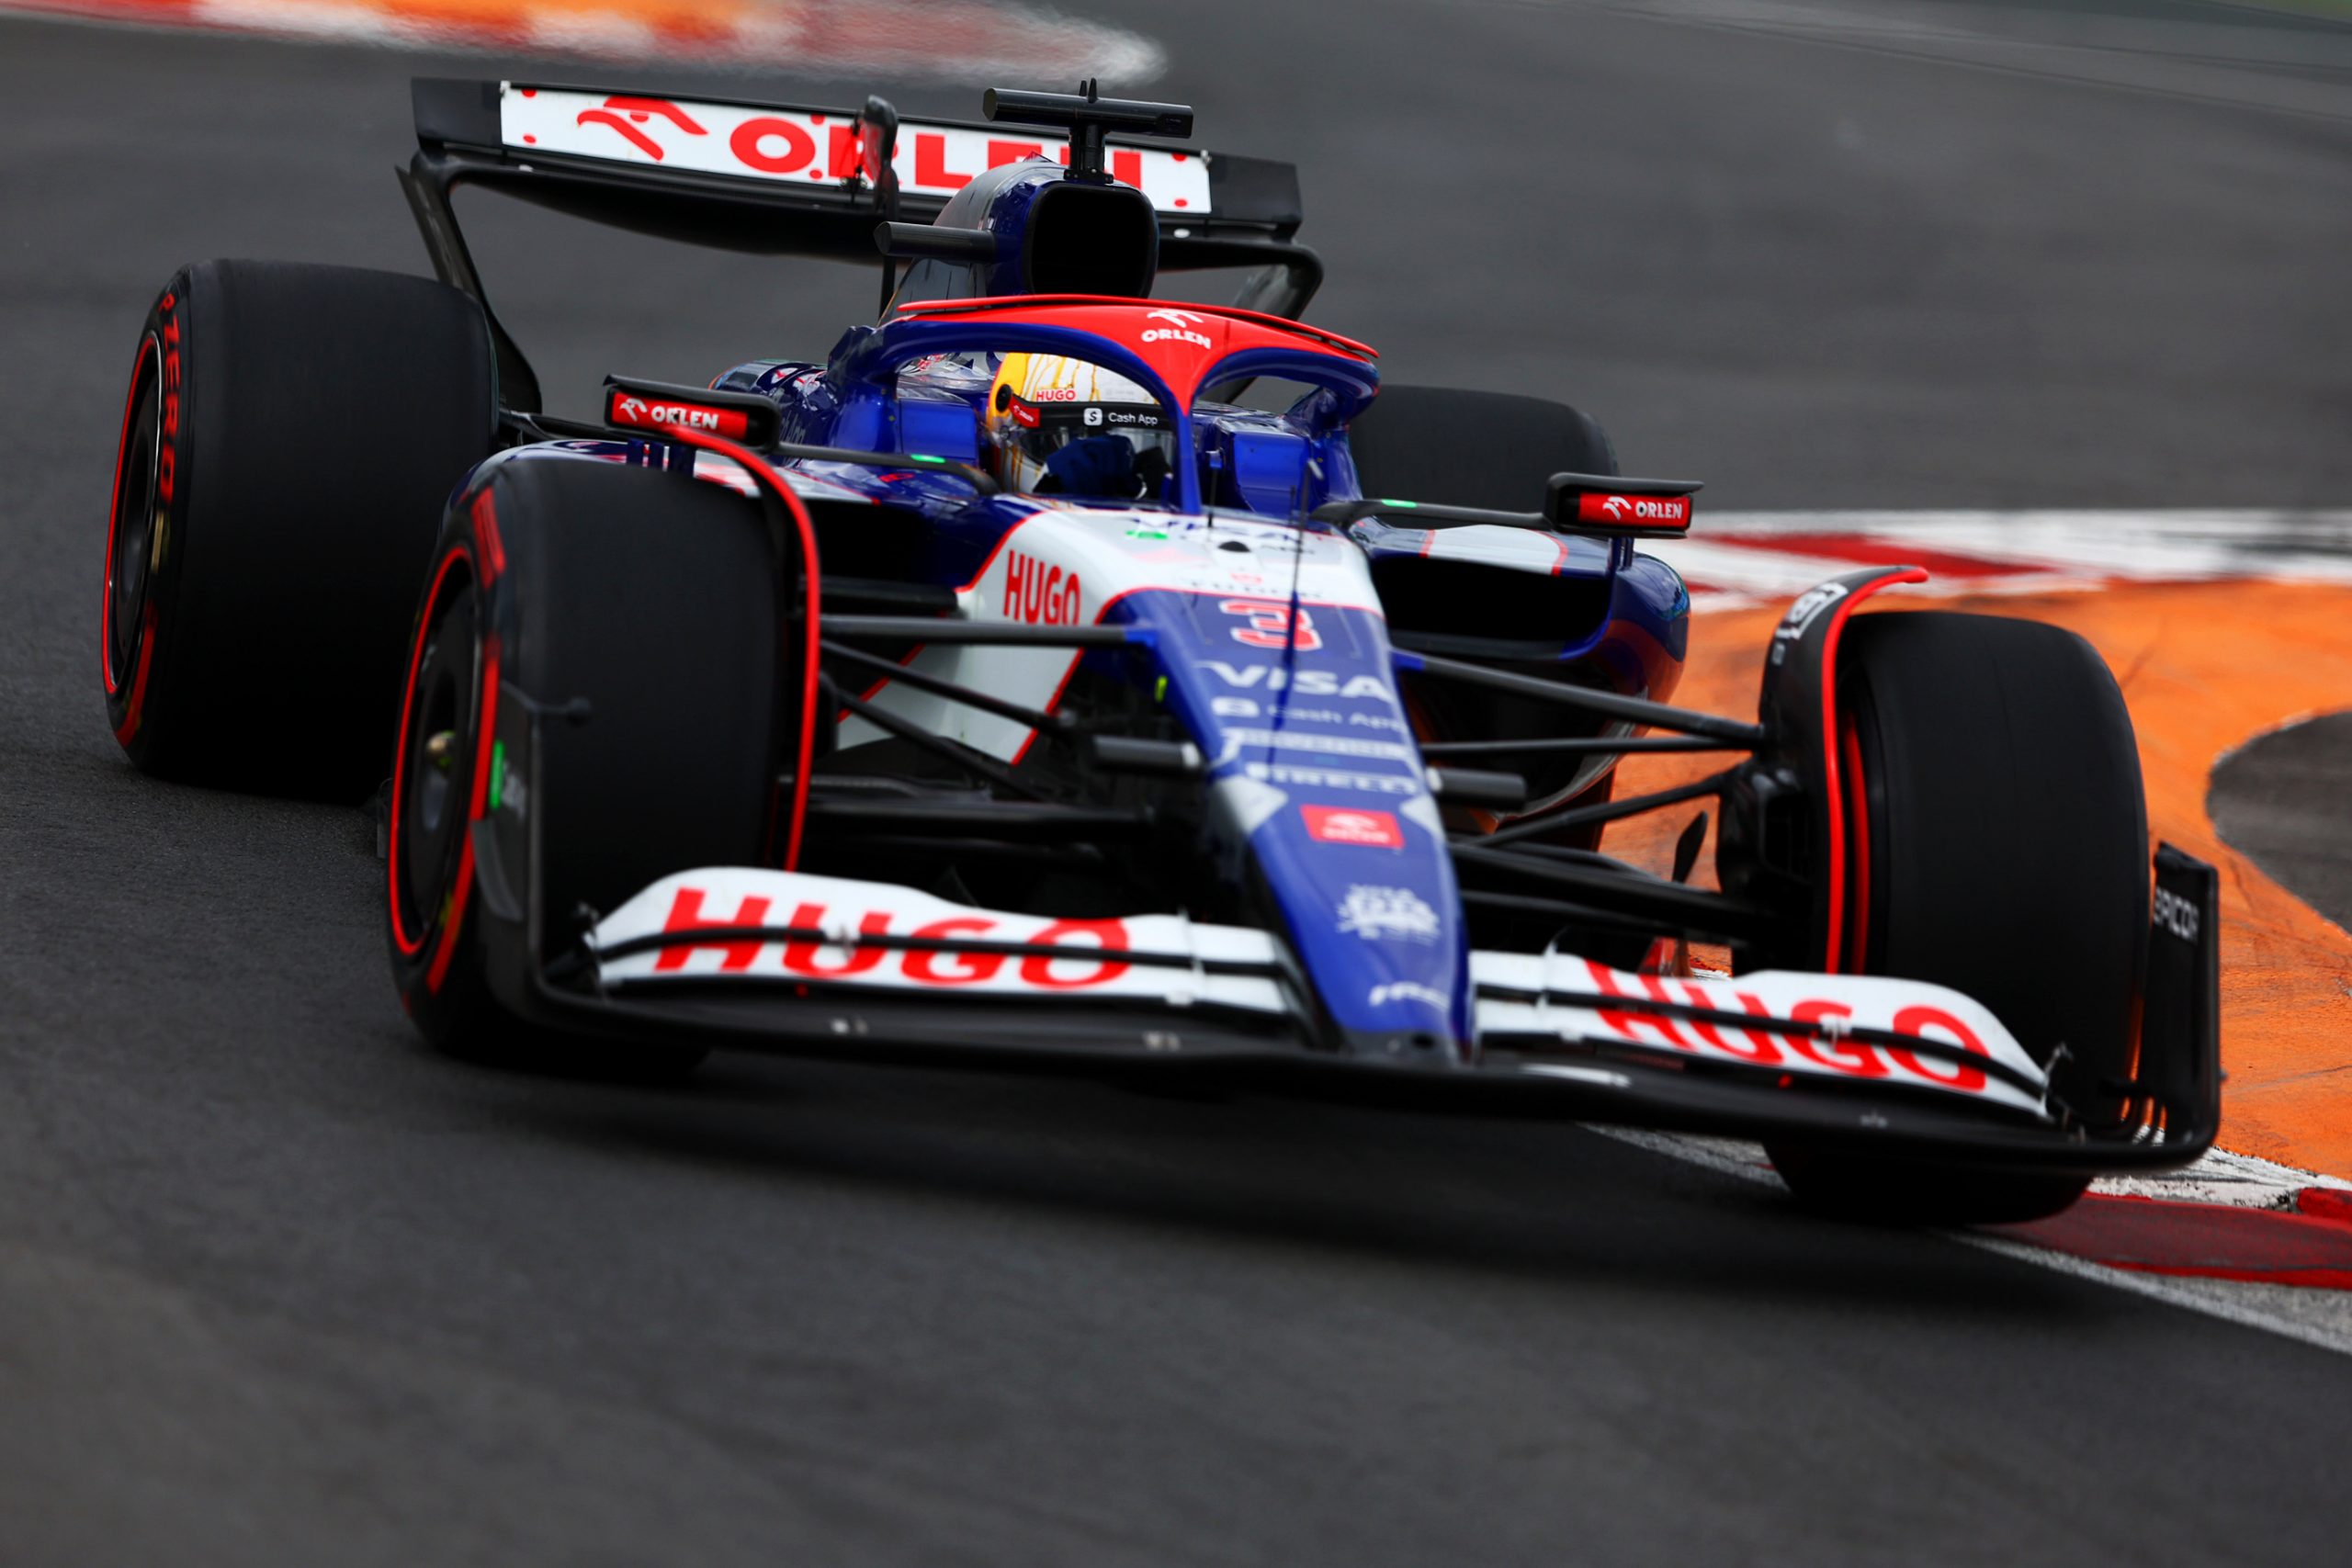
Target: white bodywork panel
{"x": 743, "y": 896}
{"x": 1838, "y": 1001}
{"x": 809, "y": 147}
{"x": 1067, "y": 564}
{"x": 1101, "y": 967}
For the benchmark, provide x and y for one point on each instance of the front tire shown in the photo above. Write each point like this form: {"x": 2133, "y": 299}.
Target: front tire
{"x": 290, "y": 436}
{"x": 2007, "y": 856}
{"x": 634, "y": 609}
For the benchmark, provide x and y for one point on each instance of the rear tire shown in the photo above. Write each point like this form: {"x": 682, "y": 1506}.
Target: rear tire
{"x": 643, "y": 601}
{"x": 291, "y": 435}
{"x": 1497, "y": 450}
{"x": 1470, "y": 448}
{"x": 2007, "y": 858}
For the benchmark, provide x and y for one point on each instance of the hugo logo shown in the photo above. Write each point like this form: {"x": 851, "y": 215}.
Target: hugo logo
{"x": 1760, "y": 1044}
{"x": 1040, "y": 594}
{"x": 1092, "y": 959}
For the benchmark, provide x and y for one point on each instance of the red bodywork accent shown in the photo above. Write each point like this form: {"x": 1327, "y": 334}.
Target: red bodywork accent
{"x": 805, "y": 753}
{"x": 1180, "y": 341}
{"x": 1835, "y": 934}
{"x": 1354, "y": 825}
{"x": 1635, "y": 511}
{"x": 634, "y": 411}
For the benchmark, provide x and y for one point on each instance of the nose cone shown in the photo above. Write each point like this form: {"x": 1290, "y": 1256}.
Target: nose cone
{"x": 1378, "y": 928}
{"x": 1314, "y": 765}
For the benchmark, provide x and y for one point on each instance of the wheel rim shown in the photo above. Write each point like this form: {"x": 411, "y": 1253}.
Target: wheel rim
{"x": 134, "y": 529}
{"x": 434, "y": 770}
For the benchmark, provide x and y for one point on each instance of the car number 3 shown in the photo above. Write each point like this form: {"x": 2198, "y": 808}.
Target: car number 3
{"x": 1270, "y": 626}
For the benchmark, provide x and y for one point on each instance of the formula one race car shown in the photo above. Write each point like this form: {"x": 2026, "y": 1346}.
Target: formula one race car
{"x": 1057, "y": 678}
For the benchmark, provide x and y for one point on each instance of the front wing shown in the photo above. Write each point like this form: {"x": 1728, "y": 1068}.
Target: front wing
{"x": 822, "y": 966}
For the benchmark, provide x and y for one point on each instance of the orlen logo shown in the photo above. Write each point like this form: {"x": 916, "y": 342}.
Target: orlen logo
{"x": 627, "y": 116}
{"x": 1626, "y": 510}
{"x": 645, "y": 413}
{"x": 1350, "y": 825}
{"x": 1040, "y": 594}
{"x": 767, "y": 143}
{"x": 924, "y": 966}
{"x": 1180, "y": 332}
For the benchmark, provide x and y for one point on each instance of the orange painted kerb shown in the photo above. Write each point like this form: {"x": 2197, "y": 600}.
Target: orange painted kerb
{"x": 2205, "y": 667}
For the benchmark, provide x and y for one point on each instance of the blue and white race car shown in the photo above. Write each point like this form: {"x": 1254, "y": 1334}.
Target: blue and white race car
{"x": 1060, "y": 676}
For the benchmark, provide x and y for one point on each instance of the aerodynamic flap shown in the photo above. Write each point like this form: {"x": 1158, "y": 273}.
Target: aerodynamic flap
{"x": 792, "y": 145}
{"x": 1866, "y": 1031}
{"x": 744, "y": 925}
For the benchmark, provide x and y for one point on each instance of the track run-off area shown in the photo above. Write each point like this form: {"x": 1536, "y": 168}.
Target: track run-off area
{"x": 2048, "y": 299}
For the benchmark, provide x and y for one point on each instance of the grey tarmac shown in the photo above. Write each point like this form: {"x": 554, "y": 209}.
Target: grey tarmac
{"x": 277, "y": 1284}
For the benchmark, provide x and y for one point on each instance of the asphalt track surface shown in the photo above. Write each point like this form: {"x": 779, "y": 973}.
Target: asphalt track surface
{"x": 277, "y": 1284}
{"x": 2285, "y": 798}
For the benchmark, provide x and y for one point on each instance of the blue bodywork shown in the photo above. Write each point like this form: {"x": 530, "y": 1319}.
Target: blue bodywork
{"x": 1292, "y": 734}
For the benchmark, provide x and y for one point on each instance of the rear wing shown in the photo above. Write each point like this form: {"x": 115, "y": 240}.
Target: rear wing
{"x": 780, "y": 179}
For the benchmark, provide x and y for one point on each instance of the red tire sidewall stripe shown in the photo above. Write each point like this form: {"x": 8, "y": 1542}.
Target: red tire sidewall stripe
{"x": 409, "y": 949}
{"x": 456, "y": 924}
{"x": 1835, "y": 931}
{"x": 805, "y": 753}
{"x": 129, "y": 727}
{"x": 148, "y": 345}
{"x": 1858, "y": 817}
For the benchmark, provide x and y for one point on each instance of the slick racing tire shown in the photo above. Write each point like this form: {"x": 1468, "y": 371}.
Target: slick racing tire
{"x": 291, "y": 435}
{"x": 1495, "y": 450}
{"x": 1470, "y": 448}
{"x": 2007, "y": 856}
{"x": 633, "y": 612}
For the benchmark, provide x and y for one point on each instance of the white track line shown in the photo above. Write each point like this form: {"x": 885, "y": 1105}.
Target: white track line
{"x": 2319, "y": 1318}
{"x": 2078, "y": 549}
{"x": 1736, "y": 561}
{"x": 952, "y": 40}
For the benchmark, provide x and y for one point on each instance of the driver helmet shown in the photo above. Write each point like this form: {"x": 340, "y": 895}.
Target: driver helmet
{"x": 1064, "y": 427}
